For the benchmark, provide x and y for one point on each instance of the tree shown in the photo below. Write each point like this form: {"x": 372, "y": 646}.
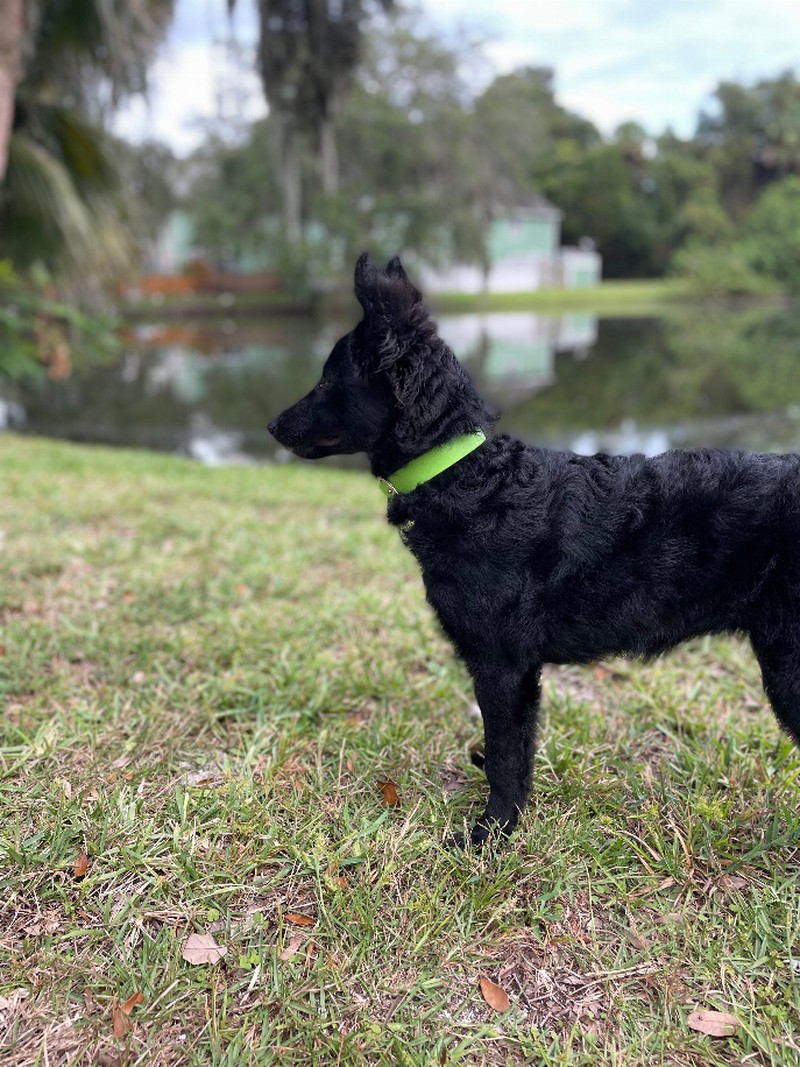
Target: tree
{"x": 772, "y": 233}
{"x": 233, "y": 196}
{"x": 308, "y": 51}
{"x": 409, "y": 171}
{"x": 153, "y": 174}
{"x": 521, "y": 131}
{"x": 59, "y": 202}
{"x": 752, "y": 138}
{"x": 12, "y": 32}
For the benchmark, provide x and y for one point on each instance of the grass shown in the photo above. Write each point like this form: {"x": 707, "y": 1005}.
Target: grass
{"x": 204, "y": 677}
{"x": 619, "y": 298}
{"x": 649, "y": 296}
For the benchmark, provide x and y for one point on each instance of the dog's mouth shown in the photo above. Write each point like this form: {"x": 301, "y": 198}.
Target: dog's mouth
{"x": 318, "y": 449}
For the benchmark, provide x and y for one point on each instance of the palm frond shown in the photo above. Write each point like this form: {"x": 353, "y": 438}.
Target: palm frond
{"x": 44, "y": 216}
{"x": 115, "y": 38}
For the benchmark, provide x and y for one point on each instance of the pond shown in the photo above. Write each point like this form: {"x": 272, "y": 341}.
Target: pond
{"x": 697, "y": 376}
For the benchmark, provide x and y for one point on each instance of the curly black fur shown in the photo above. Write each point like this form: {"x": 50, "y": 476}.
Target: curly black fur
{"x": 532, "y": 556}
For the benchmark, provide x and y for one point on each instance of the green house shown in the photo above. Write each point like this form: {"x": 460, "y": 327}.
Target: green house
{"x": 525, "y": 254}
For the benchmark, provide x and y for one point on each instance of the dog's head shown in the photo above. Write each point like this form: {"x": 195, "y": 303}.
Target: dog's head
{"x": 390, "y": 377}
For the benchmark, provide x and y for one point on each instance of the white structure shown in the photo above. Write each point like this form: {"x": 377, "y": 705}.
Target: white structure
{"x": 524, "y": 255}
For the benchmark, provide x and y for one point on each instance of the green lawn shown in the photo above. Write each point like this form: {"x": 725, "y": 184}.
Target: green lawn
{"x": 649, "y": 296}
{"x": 204, "y": 677}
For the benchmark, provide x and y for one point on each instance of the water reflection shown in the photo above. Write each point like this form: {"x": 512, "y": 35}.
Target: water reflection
{"x": 513, "y": 354}
{"x": 697, "y": 377}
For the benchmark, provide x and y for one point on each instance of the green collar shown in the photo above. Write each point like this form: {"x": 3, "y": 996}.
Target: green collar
{"x": 431, "y": 463}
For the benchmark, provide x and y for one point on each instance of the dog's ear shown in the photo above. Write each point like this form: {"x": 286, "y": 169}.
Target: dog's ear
{"x": 394, "y": 269}
{"x": 387, "y": 297}
{"x": 366, "y": 276}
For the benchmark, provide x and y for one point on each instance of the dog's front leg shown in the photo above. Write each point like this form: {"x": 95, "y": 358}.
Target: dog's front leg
{"x": 509, "y": 702}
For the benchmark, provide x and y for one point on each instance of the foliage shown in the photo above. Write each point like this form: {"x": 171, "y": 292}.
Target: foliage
{"x": 752, "y": 138}
{"x": 59, "y": 198}
{"x": 772, "y": 232}
{"x": 407, "y": 152}
{"x": 426, "y": 164}
{"x": 42, "y": 333}
{"x": 377, "y": 137}
{"x": 761, "y": 254}
{"x": 86, "y": 46}
{"x": 523, "y": 136}
{"x": 720, "y": 269}
{"x": 234, "y": 198}
{"x": 307, "y": 56}
{"x": 152, "y": 175}
{"x": 60, "y": 203}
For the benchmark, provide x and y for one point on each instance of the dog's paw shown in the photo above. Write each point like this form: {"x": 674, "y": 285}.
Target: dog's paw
{"x": 478, "y": 838}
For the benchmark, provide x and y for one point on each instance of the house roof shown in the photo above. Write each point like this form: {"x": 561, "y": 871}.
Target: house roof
{"x": 534, "y": 206}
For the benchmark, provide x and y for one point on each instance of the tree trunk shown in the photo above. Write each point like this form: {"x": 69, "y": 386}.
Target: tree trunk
{"x": 12, "y": 27}
{"x": 329, "y": 157}
{"x": 291, "y": 186}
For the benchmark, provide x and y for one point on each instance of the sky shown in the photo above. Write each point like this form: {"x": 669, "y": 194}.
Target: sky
{"x": 655, "y": 62}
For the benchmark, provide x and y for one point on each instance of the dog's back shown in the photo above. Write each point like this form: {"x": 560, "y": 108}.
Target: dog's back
{"x": 573, "y": 558}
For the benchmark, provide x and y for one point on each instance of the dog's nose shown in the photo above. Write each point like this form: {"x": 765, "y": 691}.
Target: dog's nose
{"x": 273, "y": 426}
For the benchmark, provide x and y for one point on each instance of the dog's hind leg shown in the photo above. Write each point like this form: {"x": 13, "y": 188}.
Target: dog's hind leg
{"x": 509, "y": 703}
{"x": 779, "y": 659}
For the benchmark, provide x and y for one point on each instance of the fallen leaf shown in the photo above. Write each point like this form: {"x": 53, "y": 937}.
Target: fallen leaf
{"x": 12, "y": 1001}
{"x": 637, "y": 940}
{"x": 202, "y": 948}
{"x": 293, "y": 946}
{"x": 131, "y": 1002}
{"x": 494, "y": 995}
{"x": 128, "y": 597}
{"x": 391, "y": 798}
{"x": 106, "y": 1059}
{"x": 118, "y": 1020}
{"x": 46, "y": 925}
{"x": 207, "y": 778}
{"x": 88, "y": 1000}
{"x": 336, "y": 876}
{"x": 713, "y": 1023}
{"x": 668, "y": 917}
{"x": 299, "y": 920}
{"x": 649, "y": 890}
{"x": 81, "y": 865}
{"x": 733, "y": 881}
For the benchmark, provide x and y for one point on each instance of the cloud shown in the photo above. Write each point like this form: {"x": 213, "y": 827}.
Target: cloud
{"x": 190, "y": 86}
{"x": 655, "y": 62}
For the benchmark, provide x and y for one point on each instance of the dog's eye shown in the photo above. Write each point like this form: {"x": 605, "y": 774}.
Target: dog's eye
{"x": 323, "y": 384}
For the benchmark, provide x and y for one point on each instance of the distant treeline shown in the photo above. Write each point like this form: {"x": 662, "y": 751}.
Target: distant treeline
{"x": 404, "y": 155}
{"x": 425, "y": 164}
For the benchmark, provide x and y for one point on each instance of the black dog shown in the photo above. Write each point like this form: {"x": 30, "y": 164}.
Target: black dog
{"x": 533, "y": 556}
